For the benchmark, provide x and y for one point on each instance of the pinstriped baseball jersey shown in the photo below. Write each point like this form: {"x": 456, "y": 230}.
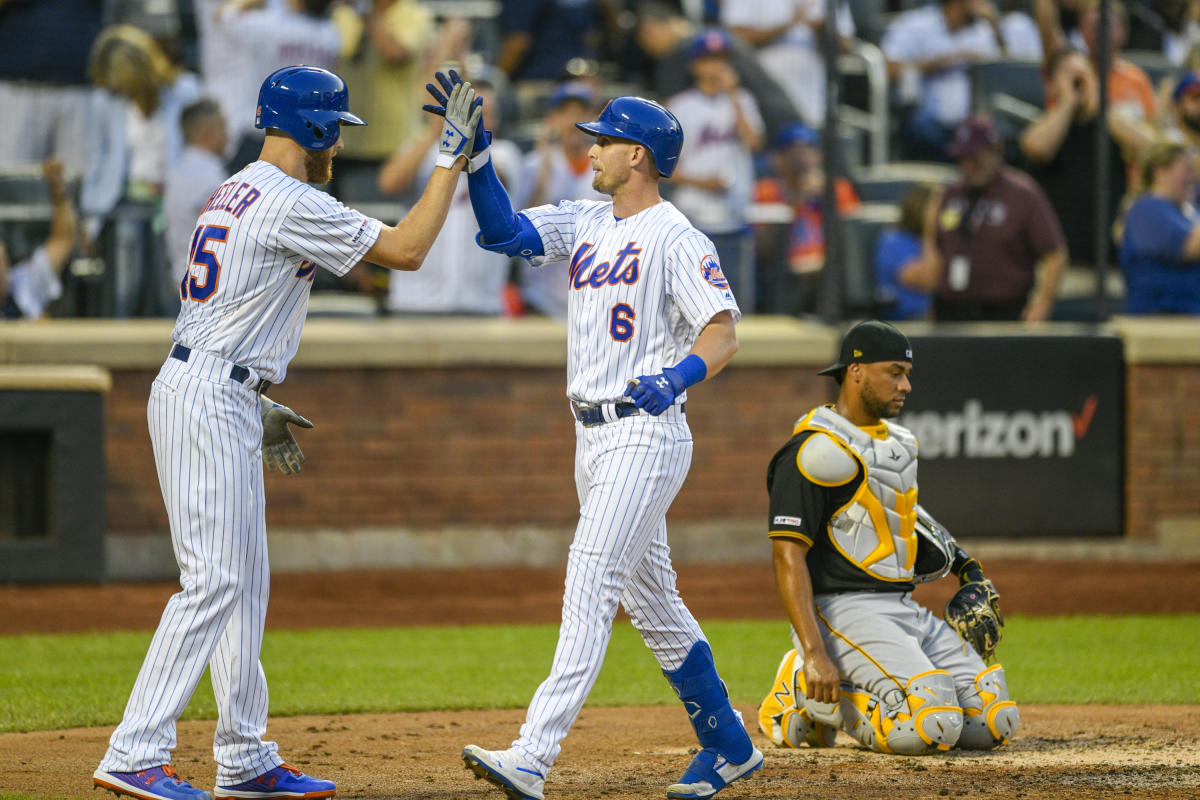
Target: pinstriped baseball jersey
{"x": 253, "y": 252}
{"x": 640, "y": 290}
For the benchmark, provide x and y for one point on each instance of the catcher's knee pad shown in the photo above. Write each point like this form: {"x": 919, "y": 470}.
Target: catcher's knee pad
{"x": 784, "y": 716}
{"x": 996, "y": 719}
{"x": 923, "y": 718}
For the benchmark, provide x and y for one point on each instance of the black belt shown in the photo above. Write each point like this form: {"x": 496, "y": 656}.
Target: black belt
{"x": 236, "y": 374}
{"x": 594, "y": 415}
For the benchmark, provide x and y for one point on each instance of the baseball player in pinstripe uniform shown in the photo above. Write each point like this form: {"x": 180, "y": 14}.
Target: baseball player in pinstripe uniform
{"x": 849, "y": 541}
{"x": 254, "y": 250}
{"x": 649, "y": 315}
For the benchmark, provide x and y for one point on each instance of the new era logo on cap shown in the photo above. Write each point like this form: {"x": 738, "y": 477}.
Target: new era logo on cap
{"x": 869, "y": 342}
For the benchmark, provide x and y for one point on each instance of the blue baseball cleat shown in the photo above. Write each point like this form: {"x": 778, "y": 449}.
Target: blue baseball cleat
{"x": 710, "y": 772}
{"x": 156, "y": 783}
{"x": 282, "y": 782}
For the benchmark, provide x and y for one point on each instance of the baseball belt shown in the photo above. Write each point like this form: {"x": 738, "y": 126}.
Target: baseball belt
{"x": 589, "y": 416}
{"x": 237, "y": 374}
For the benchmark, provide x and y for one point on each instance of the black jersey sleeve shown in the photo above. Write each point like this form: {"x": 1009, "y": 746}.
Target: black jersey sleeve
{"x": 798, "y": 507}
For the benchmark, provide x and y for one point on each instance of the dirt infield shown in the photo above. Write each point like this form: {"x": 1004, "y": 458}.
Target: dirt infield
{"x": 1060, "y": 752}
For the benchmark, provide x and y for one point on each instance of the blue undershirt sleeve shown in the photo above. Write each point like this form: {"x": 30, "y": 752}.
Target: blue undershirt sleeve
{"x": 501, "y": 230}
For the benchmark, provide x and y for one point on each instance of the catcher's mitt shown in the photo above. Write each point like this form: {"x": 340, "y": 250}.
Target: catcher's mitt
{"x": 974, "y": 612}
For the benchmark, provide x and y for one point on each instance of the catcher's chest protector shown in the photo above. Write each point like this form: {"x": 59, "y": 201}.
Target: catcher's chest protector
{"x": 875, "y": 530}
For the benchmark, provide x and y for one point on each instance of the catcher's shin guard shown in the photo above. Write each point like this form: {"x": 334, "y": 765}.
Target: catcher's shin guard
{"x": 925, "y": 718}
{"x": 996, "y": 719}
{"x": 784, "y": 716}
{"x": 704, "y": 697}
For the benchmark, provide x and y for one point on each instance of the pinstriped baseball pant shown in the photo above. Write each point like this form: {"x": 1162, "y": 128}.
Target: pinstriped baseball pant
{"x": 626, "y": 473}
{"x": 206, "y": 432}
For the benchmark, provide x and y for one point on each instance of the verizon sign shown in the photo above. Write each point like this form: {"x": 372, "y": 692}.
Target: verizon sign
{"x": 1020, "y": 436}
{"x": 976, "y": 433}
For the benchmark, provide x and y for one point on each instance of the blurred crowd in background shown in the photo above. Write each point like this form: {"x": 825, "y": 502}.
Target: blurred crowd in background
{"x": 967, "y": 145}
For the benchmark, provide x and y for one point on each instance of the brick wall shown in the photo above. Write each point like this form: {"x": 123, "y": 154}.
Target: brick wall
{"x": 1162, "y": 458}
{"x": 429, "y": 447}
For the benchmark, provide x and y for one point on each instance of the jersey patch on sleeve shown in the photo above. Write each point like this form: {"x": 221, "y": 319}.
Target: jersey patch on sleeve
{"x": 795, "y": 522}
{"x": 711, "y": 270}
{"x": 361, "y": 230}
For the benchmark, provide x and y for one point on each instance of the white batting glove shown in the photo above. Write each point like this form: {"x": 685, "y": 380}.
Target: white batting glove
{"x": 279, "y": 448}
{"x": 463, "y": 113}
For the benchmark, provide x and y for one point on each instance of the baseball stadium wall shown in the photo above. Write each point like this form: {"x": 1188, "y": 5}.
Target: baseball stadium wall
{"x": 447, "y": 442}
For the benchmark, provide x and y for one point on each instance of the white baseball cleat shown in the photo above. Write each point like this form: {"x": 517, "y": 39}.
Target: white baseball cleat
{"x": 507, "y": 770}
{"x": 710, "y": 772}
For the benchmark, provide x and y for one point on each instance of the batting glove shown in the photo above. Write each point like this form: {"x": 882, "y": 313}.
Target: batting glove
{"x": 481, "y": 139}
{"x": 656, "y": 393}
{"x": 279, "y": 447}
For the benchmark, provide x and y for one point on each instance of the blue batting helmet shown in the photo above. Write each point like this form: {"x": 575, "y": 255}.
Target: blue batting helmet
{"x": 306, "y": 103}
{"x": 645, "y": 122}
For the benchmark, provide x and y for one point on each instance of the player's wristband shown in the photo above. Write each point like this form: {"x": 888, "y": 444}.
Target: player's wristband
{"x": 482, "y": 155}
{"x": 479, "y": 160}
{"x": 692, "y": 369}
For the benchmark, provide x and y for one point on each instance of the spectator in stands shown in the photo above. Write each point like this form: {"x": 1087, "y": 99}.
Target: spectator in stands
{"x": 714, "y": 180}
{"x": 1181, "y": 27}
{"x": 457, "y": 277}
{"x": 898, "y": 255}
{"x": 159, "y": 18}
{"x": 1019, "y": 31}
{"x": 665, "y": 35}
{"x": 1058, "y": 24}
{"x": 997, "y": 251}
{"x": 27, "y": 287}
{"x": 786, "y": 34}
{"x": 386, "y": 69}
{"x": 1129, "y": 88}
{"x": 44, "y": 88}
{"x": 1160, "y": 248}
{"x": 798, "y": 181}
{"x": 557, "y": 169}
{"x": 261, "y": 37}
{"x": 928, "y": 51}
{"x": 539, "y": 37}
{"x": 138, "y": 137}
{"x": 1168, "y": 112}
{"x": 1060, "y": 146}
{"x": 1185, "y": 117}
{"x": 190, "y": 182}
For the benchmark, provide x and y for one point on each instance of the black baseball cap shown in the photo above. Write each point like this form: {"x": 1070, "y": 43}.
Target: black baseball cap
{"x": 868, "y": 342}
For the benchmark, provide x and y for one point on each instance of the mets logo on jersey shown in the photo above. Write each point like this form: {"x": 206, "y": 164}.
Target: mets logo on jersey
{"x": 711, "y": 271}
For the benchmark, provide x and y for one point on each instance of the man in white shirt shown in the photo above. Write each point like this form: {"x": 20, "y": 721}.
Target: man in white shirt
{"x": 190, "y": 182}
{"x": 458, "y": 277}
{"x": 27, "y": 287}
{"x": 786, "y": 34}
{"x": 714, "y": 183}
{"x": 260, "y": 37}
{"x": 928, "y": 51}
{"x": 557, "y": 169}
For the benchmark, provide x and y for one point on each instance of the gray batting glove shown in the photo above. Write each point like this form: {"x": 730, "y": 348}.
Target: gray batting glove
{"x": 463, "y": 114}
{"x": 279, "y": 447}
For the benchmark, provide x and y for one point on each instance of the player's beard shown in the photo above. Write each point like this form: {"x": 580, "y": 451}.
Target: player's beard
{"x": 318, "y": 166}
{"x": 875, "y": 405}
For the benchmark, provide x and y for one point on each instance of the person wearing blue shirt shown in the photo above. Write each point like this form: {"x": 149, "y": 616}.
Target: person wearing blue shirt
{"x": 898, "y": 251}
{"x": 1160, "y": 246}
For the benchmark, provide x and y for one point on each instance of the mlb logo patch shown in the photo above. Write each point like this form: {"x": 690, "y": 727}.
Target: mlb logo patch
{"x": 711, "y": 271}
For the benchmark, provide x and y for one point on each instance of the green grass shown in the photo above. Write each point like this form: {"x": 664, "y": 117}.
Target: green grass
{"x": 62, "y": 681}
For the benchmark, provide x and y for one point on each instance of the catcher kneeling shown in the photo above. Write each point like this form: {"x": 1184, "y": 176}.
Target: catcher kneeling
{"x": 849, "y": 542}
